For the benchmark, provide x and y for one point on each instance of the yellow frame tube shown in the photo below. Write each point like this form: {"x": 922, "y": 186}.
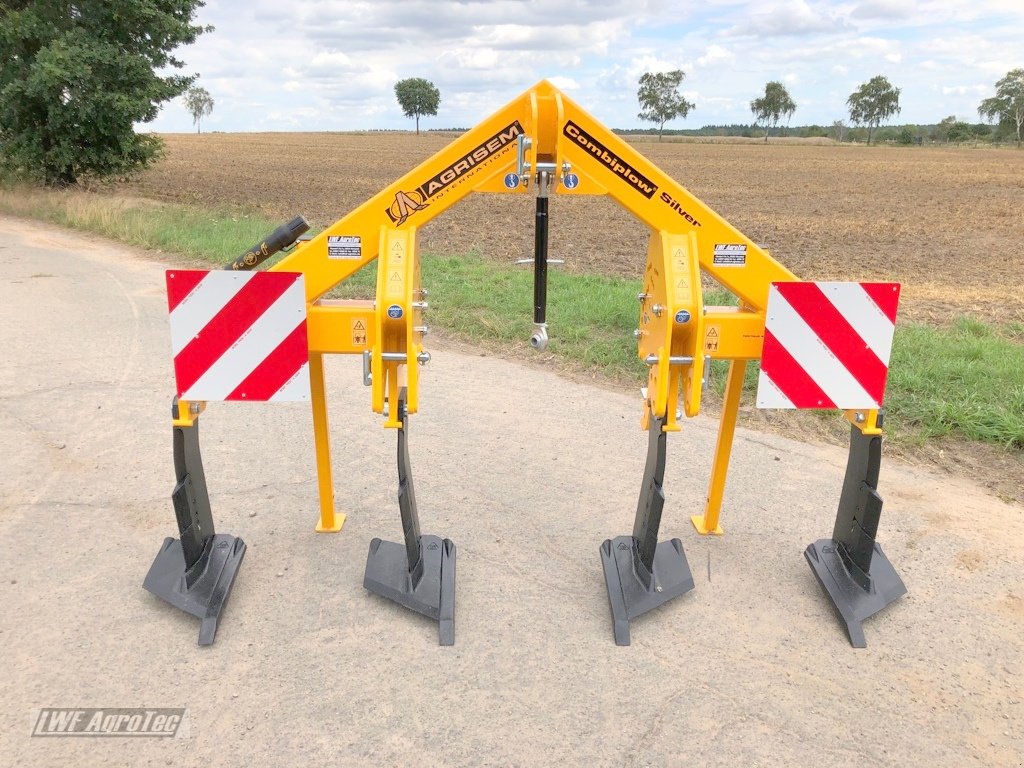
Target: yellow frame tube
{"x": 330, "y": 521}
{"x": 708, "y": 522}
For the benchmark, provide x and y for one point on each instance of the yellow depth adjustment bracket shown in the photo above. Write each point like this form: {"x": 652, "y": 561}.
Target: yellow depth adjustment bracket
{"x": 188, "y": 412}
{"x": 671, "y": 328}
{"x": 399, "y": 328}
{"x": 865, "y": 421}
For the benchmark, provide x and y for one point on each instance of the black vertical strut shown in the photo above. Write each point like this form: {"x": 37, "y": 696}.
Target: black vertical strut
{"x": 540, "y": 262}
{"x": 419, "y": 574}
{"x": 196, "y": 571}
{"x": 640, "y": 573}
{"x": 539, "y": 339}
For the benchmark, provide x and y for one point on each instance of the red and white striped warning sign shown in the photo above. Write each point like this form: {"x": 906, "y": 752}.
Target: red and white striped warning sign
{"x": 239, "y": 335}
{"x": 827, "y": 345}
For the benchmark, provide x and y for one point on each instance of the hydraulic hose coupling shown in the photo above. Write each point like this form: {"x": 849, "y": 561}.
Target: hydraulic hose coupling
{"x": 278, "y": 240}
{"x": 539, "y": 339}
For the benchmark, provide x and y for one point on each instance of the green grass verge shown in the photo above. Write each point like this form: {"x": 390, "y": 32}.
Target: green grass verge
{"x": 965, "y": 381}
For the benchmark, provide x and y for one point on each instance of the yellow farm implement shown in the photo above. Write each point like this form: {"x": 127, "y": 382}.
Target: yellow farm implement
{"x": 540, "y": 144}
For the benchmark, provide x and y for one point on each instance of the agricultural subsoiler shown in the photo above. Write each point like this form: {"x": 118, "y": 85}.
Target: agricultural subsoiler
{"x": 241, "y": 334}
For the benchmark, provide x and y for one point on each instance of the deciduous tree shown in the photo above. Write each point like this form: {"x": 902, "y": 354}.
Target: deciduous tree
{"x": 199, "y": 103}
{"x": 873, "y": 102}
{"x": 1007, "y": 106}
{"x": 773, "y": 106}
{"x": 660, "y": 99}
{"x": 75, "y": 78}
{"x": 417, "y": 97}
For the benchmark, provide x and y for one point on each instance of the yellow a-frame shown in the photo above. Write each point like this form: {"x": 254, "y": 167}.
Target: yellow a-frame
{"x": 541, "y": 140}
{"x": 545, "y": 138}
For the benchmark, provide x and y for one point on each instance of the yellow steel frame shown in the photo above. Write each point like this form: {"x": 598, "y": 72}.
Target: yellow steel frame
{"x": 677, "y": 334}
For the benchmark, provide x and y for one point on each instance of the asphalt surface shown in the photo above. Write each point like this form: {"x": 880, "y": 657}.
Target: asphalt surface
{"x": 528, "y": 473}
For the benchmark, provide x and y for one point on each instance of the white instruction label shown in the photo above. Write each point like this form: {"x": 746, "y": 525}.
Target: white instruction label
{"x": 730, "y": 255}
{"x": 344, "y": 247}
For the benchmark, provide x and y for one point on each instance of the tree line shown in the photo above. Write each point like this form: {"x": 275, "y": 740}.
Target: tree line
{"x": 75, "y": 80}
{"x": 871, "y": 105}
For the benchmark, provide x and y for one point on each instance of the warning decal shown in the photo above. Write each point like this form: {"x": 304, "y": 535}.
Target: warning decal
{"x": 358, "y": 332}
{"x": 711, "y": 339}
{"x": 344, "y": 247}
{"x": 239, "y": 335}
{"x": 730, "y": 255}
{"x": 827, "y": 345}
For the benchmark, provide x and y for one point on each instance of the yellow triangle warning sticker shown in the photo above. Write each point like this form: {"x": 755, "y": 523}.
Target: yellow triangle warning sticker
{"x": 358, "y": 326}
{"x": 712, "y": 333}
{"x": 396, "y": 277}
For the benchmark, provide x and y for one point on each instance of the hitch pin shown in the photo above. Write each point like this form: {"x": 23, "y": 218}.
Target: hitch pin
{"x": 679, "y": 360}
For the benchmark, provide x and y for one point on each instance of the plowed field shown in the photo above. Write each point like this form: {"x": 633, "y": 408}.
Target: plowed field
{"x": 946, "y": 222}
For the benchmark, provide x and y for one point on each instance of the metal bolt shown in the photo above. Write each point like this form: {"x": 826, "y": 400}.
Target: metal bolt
{"x": 420, "y": 305}
{"x": 638, "y": 333}
{"x": 423, "y": 358}
{"x": 194, "y": 408}
{"x": 421, "y": 292}
{"x": 643, "y": 296}
{"x": 657, "y": 309}
{"x": 421, "y": 329}
{"x": 860, "y": 418}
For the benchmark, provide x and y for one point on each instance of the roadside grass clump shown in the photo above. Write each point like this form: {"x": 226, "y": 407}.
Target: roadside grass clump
{"x": 216, "y": 236}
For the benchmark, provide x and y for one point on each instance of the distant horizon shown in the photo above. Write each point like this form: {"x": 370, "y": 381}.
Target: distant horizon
{"x": 776, "y": 132}
{"x": 313, "y": 66}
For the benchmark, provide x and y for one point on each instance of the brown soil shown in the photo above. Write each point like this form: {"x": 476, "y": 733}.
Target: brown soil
{"x": 948, "y": 223}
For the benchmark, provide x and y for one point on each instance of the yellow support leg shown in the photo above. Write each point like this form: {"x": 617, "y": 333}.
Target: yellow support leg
{"x": 330, "y": 522}
{"x": 708, "y": 522}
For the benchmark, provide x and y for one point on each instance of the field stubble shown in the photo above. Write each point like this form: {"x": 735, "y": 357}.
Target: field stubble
{"x": 947, "y": 223}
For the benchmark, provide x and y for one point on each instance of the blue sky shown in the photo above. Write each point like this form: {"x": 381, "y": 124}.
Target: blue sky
{"x": 320, "y": 65}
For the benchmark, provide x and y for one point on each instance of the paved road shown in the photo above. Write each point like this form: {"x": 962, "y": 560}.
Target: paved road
{"x": 528, "y": 472}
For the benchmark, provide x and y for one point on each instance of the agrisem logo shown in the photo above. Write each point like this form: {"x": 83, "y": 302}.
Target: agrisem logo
{"x": 404, "y": 205}
{"x": 610, "y": 160}
{"x": 407, "y": 203}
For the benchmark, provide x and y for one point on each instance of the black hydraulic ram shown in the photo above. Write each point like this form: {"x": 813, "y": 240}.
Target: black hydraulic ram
{"x": 539, "y": 339}
{"x": 279, "y": 239}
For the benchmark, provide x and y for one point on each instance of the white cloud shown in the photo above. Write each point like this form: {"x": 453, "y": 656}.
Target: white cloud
{"x": 715, "y": 55}
{"x": 884, "y": 9}
{"x": 332, "y": 64}
{"x": 787, "y": 18}
{"x": 967, "y": 90}
{"x": 564, "y": 83}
